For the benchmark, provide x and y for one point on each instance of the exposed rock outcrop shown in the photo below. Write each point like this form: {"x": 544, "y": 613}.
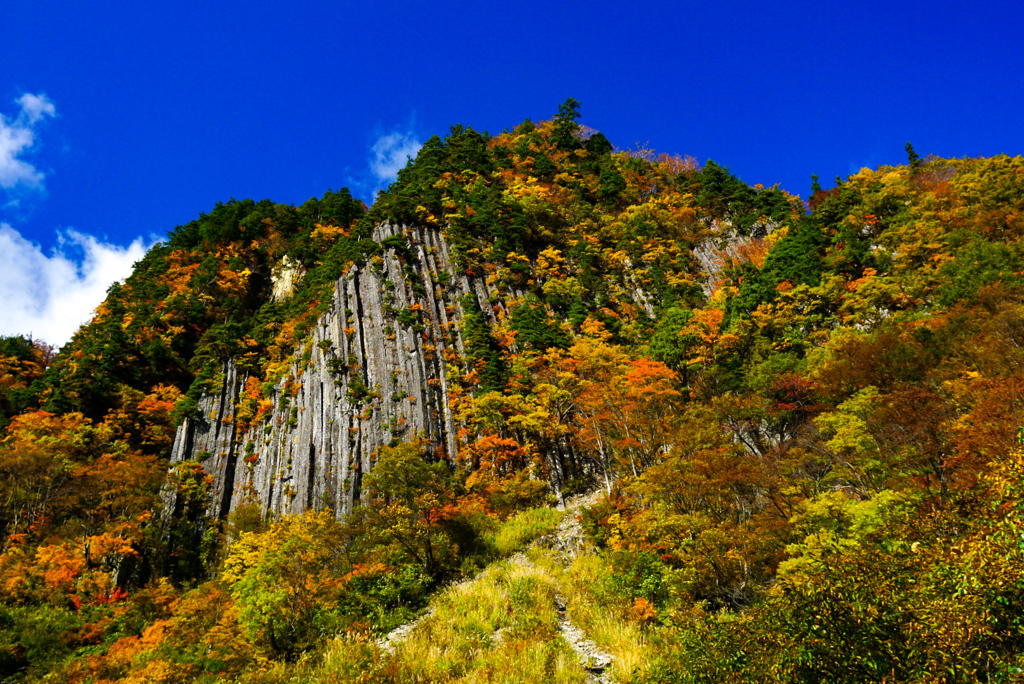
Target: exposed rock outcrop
{"x": 374, "y": 369}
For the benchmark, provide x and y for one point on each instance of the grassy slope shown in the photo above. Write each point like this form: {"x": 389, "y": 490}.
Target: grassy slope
{"x": 501, "y": 626}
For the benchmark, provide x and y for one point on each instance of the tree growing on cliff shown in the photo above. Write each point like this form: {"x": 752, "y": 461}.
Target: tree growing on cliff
{"x": 409, "y": 508}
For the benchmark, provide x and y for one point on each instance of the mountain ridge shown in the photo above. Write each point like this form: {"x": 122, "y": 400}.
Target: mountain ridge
{"x": 225, "y": 476}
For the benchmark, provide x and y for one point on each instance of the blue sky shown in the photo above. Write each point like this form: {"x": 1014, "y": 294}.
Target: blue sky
{"x": 143, "y": 115}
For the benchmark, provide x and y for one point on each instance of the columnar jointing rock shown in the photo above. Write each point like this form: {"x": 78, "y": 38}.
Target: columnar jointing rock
{"x": 373, "y": 370}
{"x": 209, "y": 437}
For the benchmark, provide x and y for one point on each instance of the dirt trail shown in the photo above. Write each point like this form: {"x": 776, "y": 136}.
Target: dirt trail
{"x": 399, "y": 634}
{"x": 567, "y": 542}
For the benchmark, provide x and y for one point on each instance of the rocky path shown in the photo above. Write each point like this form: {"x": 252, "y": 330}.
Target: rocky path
{"x": 396, "y": 636}
{"x": 592, "y": 659}
{"x": 566, "y": 543}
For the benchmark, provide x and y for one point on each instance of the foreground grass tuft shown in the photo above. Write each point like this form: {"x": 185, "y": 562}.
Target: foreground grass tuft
{"x": 522, "y": 528}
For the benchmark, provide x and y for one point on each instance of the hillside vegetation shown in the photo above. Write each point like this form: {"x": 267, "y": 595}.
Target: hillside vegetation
{"x": 806, "y": 419}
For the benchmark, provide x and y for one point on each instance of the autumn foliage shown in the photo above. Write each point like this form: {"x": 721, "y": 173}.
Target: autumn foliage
{"x": 806, "y": 420}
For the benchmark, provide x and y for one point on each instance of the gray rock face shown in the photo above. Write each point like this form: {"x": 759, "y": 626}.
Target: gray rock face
{"x": 374, "y": 369}
{"x": 713, "y": 253}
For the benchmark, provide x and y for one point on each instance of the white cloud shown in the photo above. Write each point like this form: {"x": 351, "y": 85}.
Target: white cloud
{"x": 35, "y": 107}
{"x": 17, "y": 136}
{"x": 391, "y": 153}
{"x": 49, "y": 297}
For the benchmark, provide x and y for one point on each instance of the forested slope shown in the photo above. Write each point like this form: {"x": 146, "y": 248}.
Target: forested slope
{"x": 805, "y": 417}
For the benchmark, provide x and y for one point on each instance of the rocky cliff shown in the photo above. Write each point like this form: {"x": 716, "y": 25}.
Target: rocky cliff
{"x": 374, "y": 370}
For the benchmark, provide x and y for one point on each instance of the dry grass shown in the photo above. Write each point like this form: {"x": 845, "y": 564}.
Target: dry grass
{"x": 599, "y": 613}
{"x": 522, "y": 528}
{"x": 502, "y": 627}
